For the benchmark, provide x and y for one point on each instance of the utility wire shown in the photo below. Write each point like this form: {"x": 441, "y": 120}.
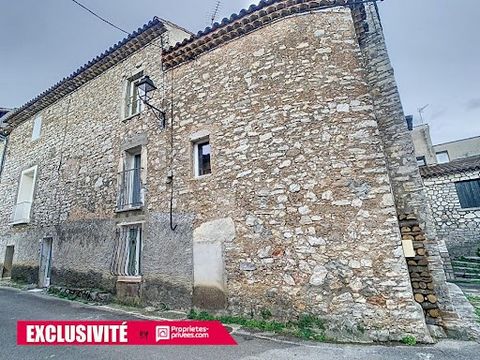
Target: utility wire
{"x": 109, "y": 22}
{"x": 101, "y": 18}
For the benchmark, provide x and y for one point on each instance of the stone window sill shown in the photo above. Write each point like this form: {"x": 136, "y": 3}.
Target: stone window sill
{"x": 129, "y": 208}
{"x": 131, "y": 116}
{"x": 20, "y": 222}
{"x": 129, "y": 279}
{"x": 202, "y": 177}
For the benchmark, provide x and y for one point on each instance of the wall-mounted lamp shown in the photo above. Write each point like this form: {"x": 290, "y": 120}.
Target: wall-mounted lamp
{"x": 145, "y": 86}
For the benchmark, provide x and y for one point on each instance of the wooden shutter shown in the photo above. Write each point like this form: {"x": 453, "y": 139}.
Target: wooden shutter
{"x": 469, "y": 193}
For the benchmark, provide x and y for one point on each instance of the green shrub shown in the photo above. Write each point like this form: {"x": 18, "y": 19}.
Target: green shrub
{"x": 266, "y": 314}
{"x": 409, "y": 340}
{"x": 307, "y": 327}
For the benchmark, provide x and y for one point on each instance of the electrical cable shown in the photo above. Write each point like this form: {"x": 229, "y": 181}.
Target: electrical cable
{"x": 99, "y": 17}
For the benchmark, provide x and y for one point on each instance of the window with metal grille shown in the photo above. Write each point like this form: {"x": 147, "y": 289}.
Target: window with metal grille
{"x": 130, "y": 195}
{"x": 127, "y": 253}
{"x": 201, "y": 153}
{"x": 133, "y": 103}
{"x": 469, "y": 193}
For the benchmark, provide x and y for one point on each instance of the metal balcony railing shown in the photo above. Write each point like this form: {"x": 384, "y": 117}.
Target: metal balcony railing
{"x": 130, "y": 195}
{"x": 21, "y": 213}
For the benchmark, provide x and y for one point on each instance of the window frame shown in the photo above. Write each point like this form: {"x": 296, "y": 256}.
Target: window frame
{"x": 131, "y": 92}
{"x": 138, "y": 249}
{"x": 37, "y": 127}
{"x": 196, "y": 156}
{"x": 422, "y": 159}
{"x": 121, "y": 264}
{"x": 443, "y": 152}
{"x": 20, "y": 192}
{"x": 134, "y": 171}
{"x": 464, "y": 200}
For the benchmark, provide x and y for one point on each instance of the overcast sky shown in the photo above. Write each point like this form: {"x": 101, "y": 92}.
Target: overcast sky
{"x": 433, "y": 44}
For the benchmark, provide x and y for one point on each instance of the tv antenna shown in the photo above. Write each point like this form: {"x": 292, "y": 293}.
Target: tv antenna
{"x": 421, "y": 110}
{"x": 215, "y": 12}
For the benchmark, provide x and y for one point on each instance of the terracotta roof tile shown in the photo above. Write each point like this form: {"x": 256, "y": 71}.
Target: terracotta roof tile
{"x": 455, "y": 166}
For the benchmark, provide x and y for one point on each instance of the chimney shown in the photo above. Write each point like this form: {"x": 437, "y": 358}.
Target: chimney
{"x": 409, "y": 119}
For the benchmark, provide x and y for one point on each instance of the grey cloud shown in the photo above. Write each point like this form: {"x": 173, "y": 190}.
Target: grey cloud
{"x": 473, "y": 104}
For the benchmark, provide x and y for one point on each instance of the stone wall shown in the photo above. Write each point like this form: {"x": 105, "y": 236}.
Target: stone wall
{"x": 298, "y": 165}
{"x": 407, "y": 186}
{"x": 459, "y": 228}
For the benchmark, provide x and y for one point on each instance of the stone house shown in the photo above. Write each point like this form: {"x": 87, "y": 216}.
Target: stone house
{"x": 453, "y": 190}
{"x": 278, "y": 174}
{"x": 451, "y": 176}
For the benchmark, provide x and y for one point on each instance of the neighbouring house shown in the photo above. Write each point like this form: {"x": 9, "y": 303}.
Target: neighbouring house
{"x": 453, "y": 190}
{"x": 4, "y": 111}
{"x": 429, "y": 154}
{"x": 274, "y": 172}
{"x": 3, "y": 137}
{"x": 451, "y": 175}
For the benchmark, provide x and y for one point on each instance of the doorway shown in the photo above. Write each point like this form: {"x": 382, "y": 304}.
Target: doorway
{"x": 8, "y": 263}
{"x": 45, "y": 262}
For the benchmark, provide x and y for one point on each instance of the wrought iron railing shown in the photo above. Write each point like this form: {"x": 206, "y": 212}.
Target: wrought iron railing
{"x": 21, "y": 213}
{"x": 130, "y": 193}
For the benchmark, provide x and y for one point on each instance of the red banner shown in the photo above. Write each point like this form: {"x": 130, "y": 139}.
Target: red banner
{"x": 122, "y": 333}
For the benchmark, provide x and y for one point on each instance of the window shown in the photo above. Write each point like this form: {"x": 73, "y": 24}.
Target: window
{"x": 128, "y": 248}
{"x": 421, "y": 161}
{"x": 133, "y": 104}
{"x": 21, "y": 214}
{"x": 469, "y": 193}
{"x": 130, "y": 196}
{"x": 37, "y": 127}
{"x": 201, "y": 153}
{"x": 442, "y": 157}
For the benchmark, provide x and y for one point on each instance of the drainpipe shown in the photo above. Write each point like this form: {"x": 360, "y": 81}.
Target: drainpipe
{"x": 4, "y": 139}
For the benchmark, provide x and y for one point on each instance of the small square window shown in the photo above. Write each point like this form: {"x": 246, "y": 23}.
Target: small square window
{"x": 202, "y": 154}
{"x": 37, "y": 127}
{"x": 133, "y": 103}
{"x": 421, "y": 161}
{"x": 442, "y": 157}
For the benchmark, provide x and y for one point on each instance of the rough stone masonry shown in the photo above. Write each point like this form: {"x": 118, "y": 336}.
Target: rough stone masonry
{"x": 311, "y": 172}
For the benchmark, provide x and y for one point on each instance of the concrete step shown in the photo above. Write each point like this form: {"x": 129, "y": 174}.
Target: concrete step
{"x": 475, "y": 259}
{"x": 464, "y": 270}
{"x": 462, "y": 263}
{"x": 467, "y": 275}
{"x": 467, "y": 282}
{"x": 467, "y": 266}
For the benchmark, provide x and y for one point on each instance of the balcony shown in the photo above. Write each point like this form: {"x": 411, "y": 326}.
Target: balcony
{"x": 21, "y": 213}
{"x": 130, "y": 196}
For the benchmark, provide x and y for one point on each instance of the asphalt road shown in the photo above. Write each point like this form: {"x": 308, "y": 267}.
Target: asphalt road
{"x": 21, "y": 305}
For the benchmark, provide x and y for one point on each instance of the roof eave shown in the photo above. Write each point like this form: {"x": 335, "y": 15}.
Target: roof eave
{"x": 111, "y": 57}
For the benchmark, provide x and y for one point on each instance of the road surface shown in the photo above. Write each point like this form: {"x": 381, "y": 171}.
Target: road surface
{"x": 23, "y": 305}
